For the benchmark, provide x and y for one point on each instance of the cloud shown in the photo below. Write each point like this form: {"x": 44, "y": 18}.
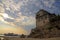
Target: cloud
{"x": 1, "y": 8}
{"x": 48, "y": 3}
{"x": 24, "y": 20}
{"x": 2, "y": 20}
{"x": 2, "y": 12}
{"x": 5, "y": 16}
{"x": 10, "y": 5}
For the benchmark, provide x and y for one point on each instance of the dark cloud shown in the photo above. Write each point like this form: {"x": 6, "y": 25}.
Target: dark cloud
{"x": 9, "y": 20}
{"x": 0, "y": 1}
{"x": 17, "y": 1}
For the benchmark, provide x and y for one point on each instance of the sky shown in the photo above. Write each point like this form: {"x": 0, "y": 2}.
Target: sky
{"x": 18, "y": 16}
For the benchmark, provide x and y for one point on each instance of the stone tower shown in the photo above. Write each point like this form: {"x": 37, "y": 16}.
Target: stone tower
{"x": 44, "y": 18}
{"x": 47, "y": 25}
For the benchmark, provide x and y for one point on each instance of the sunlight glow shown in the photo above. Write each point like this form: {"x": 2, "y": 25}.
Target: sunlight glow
{"x": 5, "y": 15}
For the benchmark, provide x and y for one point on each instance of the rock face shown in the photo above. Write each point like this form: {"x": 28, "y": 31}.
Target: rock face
{"x": 47, "y": 25}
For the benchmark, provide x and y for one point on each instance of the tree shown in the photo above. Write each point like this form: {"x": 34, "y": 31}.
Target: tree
{"x": 22, "y": 36}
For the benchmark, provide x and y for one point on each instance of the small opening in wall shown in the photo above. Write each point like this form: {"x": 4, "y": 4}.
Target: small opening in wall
{"x": 57, "y": 27}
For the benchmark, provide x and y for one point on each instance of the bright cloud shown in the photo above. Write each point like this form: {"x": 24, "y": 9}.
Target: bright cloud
{"x": 2, "y": 20}
{"x": 6, "y": 16}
